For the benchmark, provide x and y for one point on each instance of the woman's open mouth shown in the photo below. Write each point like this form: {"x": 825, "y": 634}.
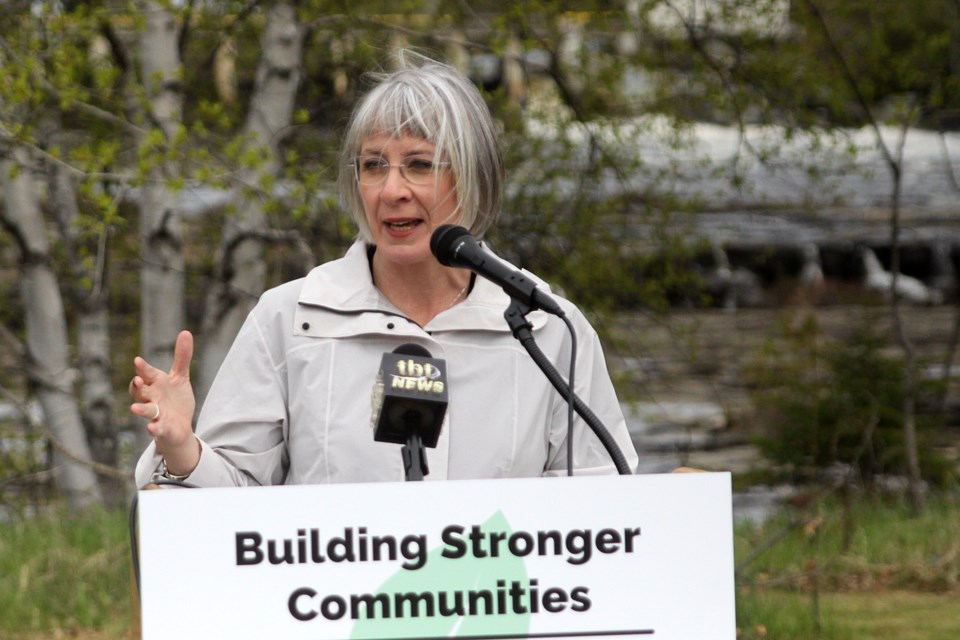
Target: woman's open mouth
{"x": 401, "y": 226}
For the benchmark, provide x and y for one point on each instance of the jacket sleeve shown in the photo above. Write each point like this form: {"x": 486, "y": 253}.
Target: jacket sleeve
{"x": 244, "y": 419}
{"x": 243, "y": 423}
{"x": 595, "y": 389}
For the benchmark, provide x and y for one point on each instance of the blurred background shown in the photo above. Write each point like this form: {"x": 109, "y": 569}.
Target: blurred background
{"x": 756, "y": 202}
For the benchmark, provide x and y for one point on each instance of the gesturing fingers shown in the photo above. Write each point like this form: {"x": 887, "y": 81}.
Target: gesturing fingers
{"x": 136, "y": 389}
{"x": 165, "y": 399}
{"x": 147, "y": 375}
{"x": 147, "y": 410}
{"x": 146, "y": 371}
{"x": 182, "y": 355}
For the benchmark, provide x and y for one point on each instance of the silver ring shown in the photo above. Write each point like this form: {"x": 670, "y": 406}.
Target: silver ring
{"x": 157, "y": 415}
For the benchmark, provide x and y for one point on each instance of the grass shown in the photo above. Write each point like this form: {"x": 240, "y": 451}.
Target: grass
{"x": 901, "y": 615}
{"x": 874, "y": 571}
{"x": 791, "y": 615}
{"x": 872, "y": 545}
{"x": 879, "y": 572}
{"x": 65, "y": 574}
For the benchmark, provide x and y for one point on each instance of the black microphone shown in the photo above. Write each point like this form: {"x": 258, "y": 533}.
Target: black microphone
{"x": 409, "y": 397}
{"x": 453, "y": 246}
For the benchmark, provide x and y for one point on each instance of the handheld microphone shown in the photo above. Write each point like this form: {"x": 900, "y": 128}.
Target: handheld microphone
{"x": 453, "y": 246}
{"x": 409, "y": 397}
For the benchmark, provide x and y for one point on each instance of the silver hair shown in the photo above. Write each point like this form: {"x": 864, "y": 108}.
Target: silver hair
{"x": 432, "y": 101}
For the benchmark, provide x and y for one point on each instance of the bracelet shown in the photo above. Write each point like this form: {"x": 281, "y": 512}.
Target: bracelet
{"x": 164, "y": 472}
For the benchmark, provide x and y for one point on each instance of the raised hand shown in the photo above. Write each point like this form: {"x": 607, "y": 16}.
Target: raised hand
{"x": 167, "y": 401}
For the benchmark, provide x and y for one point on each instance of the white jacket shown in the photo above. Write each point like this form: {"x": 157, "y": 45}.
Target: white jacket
{"x": 292, "y": 401}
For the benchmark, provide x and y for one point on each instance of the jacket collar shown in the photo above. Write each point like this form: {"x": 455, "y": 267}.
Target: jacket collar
{"x": 344, "y": 287}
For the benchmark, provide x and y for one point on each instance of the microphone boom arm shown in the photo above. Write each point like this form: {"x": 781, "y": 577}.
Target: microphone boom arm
{"x": 515, "y": 316}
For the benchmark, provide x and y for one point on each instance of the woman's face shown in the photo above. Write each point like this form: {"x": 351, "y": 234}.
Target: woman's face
{"x": 403, "y": 212}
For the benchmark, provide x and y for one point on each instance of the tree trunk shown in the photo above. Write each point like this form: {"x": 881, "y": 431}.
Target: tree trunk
{"x": 894, "y": 162}
{"x": 48, "y": 361}
{"x": 162, "y": 287}
{"x": 93, "y": 328}
{"x": 240, "y": 273}
{"x": 909, "y": 407}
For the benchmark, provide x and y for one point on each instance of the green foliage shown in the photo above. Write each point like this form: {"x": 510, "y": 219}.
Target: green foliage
{"x": 61, "y": 573}
{"x": 578, "y": 188}
{"x": 863, "y": 544}
{"x": 892, "y": 49}
{"x": 827, "y": 401}
{"x": 22, "y": 461}
{"x": 588, "y": 208}
{"x": 815, "y": 573}
{"x": 806, "y": 63}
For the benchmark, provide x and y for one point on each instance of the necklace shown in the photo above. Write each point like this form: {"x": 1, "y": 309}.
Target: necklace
{"x": 457, "y": 297}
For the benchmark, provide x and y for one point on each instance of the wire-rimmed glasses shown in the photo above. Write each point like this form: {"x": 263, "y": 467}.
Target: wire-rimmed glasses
{"x": 372, "y": 170}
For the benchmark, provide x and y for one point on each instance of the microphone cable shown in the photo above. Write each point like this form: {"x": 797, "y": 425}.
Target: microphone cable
{"x": 570, "y": 388}
{"x": 521, "y": 328}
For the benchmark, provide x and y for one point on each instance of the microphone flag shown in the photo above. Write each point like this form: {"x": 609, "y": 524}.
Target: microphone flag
{"x": 410, "y": 396}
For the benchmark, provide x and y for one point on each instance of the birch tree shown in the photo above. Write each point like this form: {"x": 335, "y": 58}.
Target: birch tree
{"x": 72, "y": 384}
{"x": 161, "y": 235}
{"x": 135, "y": 107}
{"x": 49, "y": 369}
{"x": 239, "y": 276}
{"x": 122, "y": 110}
{"x": 87, "y": 283}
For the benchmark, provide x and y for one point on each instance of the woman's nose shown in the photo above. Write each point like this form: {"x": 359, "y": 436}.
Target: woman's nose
{"x": 394, "y": 185}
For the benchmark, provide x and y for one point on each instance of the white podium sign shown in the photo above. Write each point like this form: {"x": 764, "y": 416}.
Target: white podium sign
{"x": 583, "y": 557}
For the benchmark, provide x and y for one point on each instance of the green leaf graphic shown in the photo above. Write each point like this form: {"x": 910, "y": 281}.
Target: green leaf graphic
{"x": 446, "y": 577}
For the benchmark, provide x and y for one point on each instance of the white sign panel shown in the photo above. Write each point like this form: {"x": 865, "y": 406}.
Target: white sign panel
{"x": 584, "y": 557}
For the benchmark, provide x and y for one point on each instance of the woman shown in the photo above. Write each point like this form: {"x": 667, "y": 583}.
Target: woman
{"x": 291, "y": 403}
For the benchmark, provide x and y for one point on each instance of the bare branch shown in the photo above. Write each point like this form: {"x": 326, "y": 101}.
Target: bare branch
{"x": 41, "y": 427}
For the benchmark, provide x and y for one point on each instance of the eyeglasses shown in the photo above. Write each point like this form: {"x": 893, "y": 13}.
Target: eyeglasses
{"x": 372, "y": 171}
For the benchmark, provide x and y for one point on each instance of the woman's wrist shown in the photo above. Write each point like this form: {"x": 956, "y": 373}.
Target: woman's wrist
{"x": 179, "y": 465}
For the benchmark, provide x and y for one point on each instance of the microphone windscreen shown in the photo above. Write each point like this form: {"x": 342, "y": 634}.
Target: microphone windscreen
{"x": 410, "y": 349}
{"x": 443, "y": 240}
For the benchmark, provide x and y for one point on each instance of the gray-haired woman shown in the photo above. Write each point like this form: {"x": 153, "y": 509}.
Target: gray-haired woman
{"x": 291, "y": 403}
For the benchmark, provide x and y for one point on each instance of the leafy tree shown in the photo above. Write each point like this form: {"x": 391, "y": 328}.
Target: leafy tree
{"x": 815, "y": 65}
{"x": 188, "y": 149}
{"x": 835, "y": 402}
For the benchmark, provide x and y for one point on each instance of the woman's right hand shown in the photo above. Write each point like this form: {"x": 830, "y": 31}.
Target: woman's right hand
{"x": 167, "y": 401}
